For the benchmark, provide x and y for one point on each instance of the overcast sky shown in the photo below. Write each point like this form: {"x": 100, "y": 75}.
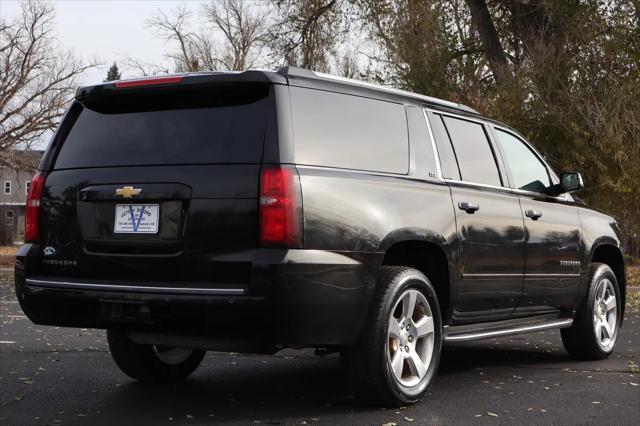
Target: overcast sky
{"x": 109, "y": 30}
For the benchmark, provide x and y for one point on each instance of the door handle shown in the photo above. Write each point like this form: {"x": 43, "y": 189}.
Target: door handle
{"x": 533, "y": 214}
{"x": 470, "y": 208}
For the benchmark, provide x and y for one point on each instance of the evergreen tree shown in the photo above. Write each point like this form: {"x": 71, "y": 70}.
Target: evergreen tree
{"x": 113, "y": 73}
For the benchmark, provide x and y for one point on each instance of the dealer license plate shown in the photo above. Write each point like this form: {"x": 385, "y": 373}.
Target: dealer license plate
{"x": 136, "y": 219}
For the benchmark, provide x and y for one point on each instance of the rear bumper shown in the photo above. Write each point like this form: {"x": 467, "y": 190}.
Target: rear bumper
{"x": 296, "y": 298}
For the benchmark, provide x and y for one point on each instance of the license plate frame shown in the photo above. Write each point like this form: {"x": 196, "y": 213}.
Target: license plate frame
{"x": 136, "y": 219}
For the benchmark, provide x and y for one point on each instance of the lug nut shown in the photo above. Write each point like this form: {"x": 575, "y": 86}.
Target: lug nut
{"x": 411, "y": 338}
{"x": 406, "y": 348}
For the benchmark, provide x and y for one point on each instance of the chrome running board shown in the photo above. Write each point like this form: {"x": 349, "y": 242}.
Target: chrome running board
{"x": 467, "y": 333}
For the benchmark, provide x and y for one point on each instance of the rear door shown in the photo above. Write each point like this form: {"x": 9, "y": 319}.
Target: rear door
{"x": 157, "y": 184}
{"x": 552, "y": 266}
{"x": 489, "y": 222}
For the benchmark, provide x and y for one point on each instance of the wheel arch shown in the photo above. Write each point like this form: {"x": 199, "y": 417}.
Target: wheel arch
{"x": 431, "y": 257}
{"x": 611, "y": 256}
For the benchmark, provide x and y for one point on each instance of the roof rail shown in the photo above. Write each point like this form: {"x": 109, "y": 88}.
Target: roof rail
{"x": 297, "y": 72}
{"x": 303, "y": 72}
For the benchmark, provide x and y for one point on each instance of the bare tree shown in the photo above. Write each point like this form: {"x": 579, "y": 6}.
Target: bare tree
{"x": 242, "y": 29}
{"x": 38, "y": 79}
{"x": 175, "y": 27}
{"x": 305, "y": 33}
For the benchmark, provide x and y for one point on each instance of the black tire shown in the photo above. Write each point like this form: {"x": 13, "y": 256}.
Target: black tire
{"x": 368, "y": 364}
{"x": 581, "y": 340}
{"x": 142, "y": 362}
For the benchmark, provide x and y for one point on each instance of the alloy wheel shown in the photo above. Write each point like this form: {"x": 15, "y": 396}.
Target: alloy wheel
{"x": 605, "y": 315}
{"x": 410, "y": 338}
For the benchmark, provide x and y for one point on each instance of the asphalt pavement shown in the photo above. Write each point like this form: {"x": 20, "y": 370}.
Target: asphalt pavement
{"x": 51, "y": 375}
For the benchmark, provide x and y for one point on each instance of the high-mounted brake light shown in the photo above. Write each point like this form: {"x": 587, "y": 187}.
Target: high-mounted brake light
{"x": 32, "y": 211}
{"x": 147, "y": 82}
{"x": 280, "y": 207}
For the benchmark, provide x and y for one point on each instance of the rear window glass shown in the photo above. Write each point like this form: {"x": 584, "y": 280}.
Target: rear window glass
{"x": 177, "y": 127}
{"x": 445, "y": 150}
{"x": 473, "y": 152}
{"x": 351, "y": 132}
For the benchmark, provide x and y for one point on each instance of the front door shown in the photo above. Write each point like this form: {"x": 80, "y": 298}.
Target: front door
{"x": 552, "y": 225}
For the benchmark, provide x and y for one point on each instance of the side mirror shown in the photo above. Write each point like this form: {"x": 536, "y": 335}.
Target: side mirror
{"x": 571, "y": 182}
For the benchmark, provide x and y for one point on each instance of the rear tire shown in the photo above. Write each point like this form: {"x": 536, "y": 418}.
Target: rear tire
{"x": 397, "y": 355}
{"x": 151, "y": 363}
{"x": 594, "y": 331}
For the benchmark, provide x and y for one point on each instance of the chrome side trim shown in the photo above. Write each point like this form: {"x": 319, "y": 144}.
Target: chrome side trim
{"x": 519, "y": 275}
{"x": 135, "y": 289}
{"x": 506, "y": 332}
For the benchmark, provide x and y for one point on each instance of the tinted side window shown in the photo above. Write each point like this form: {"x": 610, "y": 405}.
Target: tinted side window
{"x": 475, "y": 157}
{"x": 448, "y": 162}
{"x": 351, "y": 132}
{"x": 528, "y": 172}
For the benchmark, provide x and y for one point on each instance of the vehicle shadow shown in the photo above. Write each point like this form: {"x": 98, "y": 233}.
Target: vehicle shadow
{"x": 267, "y": 389}
{"x": 466, "y": 356}
{"x": 260, "y": 389}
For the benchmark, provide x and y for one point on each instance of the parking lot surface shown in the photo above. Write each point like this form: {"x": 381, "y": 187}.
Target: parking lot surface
{"x": 51, "y": 375}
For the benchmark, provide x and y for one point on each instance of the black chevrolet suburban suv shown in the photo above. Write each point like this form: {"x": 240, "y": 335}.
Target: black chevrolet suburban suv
{"x": 254, "y": 211}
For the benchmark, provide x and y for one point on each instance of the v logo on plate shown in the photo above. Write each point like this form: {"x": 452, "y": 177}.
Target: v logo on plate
{"x": 136, "y": 223}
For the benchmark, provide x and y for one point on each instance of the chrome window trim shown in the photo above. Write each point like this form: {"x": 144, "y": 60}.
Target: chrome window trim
{"x": 483, "y": 124}
{"x": 561, "y": 197}
{"x": 482, "y": 185}
{"x": 459, "y": 116}
{"x": 433, "y": 146}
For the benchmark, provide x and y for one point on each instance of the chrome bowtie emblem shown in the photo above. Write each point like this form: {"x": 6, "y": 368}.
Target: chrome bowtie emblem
{"x": 128, "y": 191}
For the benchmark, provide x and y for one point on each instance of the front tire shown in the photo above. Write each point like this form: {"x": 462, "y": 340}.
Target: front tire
{"x": 397, "y": 356}
{"x": 594, "y": 331}
{"x": 152, "y": 363}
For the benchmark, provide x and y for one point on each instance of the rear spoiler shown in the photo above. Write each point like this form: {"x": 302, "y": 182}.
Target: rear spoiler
{"x": 172, "y": 80}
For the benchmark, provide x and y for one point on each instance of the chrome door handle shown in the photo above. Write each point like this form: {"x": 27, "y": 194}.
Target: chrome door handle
{"x": 533, "y": 214}
{"x": 470, "y": 208}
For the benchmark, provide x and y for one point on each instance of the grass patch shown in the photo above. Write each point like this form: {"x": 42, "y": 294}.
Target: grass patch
{"x": 633, "y": 300}
{"x": 633, "y": 275}
{"x": 7, "y": 256}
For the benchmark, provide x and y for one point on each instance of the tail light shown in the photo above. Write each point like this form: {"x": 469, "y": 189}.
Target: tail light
{"x": 32, "y": 211}
{"x": 280, "y": 207}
